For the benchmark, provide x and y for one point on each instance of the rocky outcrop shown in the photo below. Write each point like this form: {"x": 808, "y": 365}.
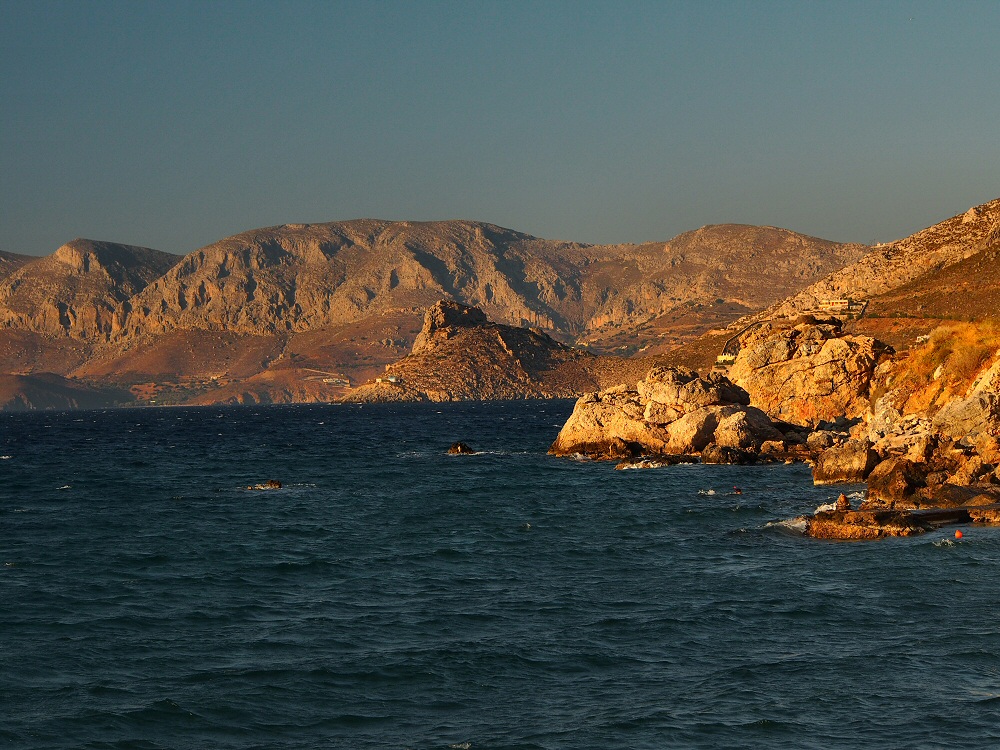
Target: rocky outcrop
{"x": 863, "y": 525}
{"x": 807, "y": 372}
{"x": 441, "y": 320}
{"x": 459, "y": 355}
{"x": 670, "y": 411}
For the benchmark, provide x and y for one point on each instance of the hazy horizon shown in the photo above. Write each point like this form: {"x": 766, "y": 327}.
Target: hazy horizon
{"x": 173, "y": 126}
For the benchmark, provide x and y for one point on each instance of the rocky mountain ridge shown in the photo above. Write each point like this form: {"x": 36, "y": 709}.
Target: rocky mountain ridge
{"x": 895, "y": 264}
{"x": 280, "y": 305}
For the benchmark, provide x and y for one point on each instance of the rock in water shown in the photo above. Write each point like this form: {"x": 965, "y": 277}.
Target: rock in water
{"x": 460, "y": 449}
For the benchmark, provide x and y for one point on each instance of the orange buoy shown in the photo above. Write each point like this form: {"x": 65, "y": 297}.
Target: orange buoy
{"x": 958, "y": 533}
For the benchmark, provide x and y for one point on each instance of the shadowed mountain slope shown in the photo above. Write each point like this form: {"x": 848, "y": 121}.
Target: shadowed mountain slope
{"x": 10, "y": 262}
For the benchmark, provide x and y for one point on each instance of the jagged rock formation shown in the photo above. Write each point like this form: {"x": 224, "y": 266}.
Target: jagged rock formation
{"x": 80, "y": 289}
{"x": 671, "y": 411}
{"x": 460, "y": 355}
{"x": 809, "y": 372}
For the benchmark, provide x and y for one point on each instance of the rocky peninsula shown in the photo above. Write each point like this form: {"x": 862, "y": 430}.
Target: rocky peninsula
{"x": 801, "y": 389}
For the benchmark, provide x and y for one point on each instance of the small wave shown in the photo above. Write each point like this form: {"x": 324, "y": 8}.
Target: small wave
{"x": 798, "y": 525}
{"x": 65, "y": 487}
{"x": 826, "y": 508}
{"x": 945, "y": 543}
{"x": 706, "y": 492}
{"x": 5, "y": 458}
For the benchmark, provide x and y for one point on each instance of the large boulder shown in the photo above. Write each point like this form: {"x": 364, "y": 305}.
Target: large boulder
{"x": 686, "y": 390}
{"x": 808, "y": 373}
{"x": 851, "y": 462}
{"x": 671, "y": 411}
{"x": 609, "y": 424}
{"x": 747, "y": 428}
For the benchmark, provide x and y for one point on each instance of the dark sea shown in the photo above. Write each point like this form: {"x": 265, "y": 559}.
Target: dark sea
{"x": 393, "y": 596}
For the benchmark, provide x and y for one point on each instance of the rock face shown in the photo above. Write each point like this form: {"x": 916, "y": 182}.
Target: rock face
{"x": 671, "y": 411}
{"x": 81, "y": 290}
{"x": 970, "y": 417}
{"x": 807, "y": 373}
{"x": 851, "y": 462}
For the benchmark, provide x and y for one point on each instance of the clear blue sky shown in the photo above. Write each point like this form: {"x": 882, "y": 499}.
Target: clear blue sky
{"x": 175, "y": 124}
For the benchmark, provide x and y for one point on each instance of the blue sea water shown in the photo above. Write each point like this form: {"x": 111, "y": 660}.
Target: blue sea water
{"x": 393, "y": 596}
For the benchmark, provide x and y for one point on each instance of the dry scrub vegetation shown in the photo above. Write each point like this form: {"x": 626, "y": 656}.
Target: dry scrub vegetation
{"x": 947, "y": 363}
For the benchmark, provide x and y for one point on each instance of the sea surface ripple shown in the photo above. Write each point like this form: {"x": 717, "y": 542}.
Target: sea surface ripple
{"x": 393, "y": 596}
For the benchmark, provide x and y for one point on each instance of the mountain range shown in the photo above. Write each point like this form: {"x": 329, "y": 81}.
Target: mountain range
{"x": 282, "y": 313}
{"x": 296, "y": 312}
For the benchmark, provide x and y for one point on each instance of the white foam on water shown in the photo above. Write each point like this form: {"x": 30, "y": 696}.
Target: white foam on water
{"x": 706, "y": 492}
{"x": 65, "y": 487}
{"x": 798, "y": 525}
{"x": 826, "y": 508}
{"x": 5, "y": 458}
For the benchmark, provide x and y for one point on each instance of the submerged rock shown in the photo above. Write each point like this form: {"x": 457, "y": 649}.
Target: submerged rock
{"x": 270, "y": 484}
{"x": 460, "y": 448}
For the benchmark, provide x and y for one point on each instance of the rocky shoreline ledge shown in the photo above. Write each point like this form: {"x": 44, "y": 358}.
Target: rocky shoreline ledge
{"x": 803, "y": 390}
